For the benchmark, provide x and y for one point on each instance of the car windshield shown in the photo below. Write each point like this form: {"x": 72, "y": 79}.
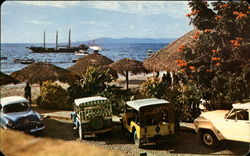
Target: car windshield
{"x": 16, "y": 107}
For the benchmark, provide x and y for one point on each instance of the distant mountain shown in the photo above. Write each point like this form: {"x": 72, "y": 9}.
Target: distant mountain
{"x": 107, "y": 40}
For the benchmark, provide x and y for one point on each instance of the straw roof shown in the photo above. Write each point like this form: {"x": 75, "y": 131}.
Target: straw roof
{"x": 6, "y": 79}
{"x": 43, "y": 71}
{"x": 94, "y": 59}
{"x": 164, "y": 59}
{"x": 128, "y": 64}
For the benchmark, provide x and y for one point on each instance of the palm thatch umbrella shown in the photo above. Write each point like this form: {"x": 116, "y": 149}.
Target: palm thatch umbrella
{"x": 95, "y": 59}
{"x": 43, "y": 71}
{"x": 6, "y": 79}
{"x": 165, "y": 59}
{"x": 125, "y": 65}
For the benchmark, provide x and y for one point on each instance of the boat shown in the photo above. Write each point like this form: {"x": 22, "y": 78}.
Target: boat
{"x": 58, "y": 49}
{"x": 81, "y": 52}
{"x": 24, "y": 61}
{"x": 150, "y": 52}
{"x": 3, "y": 58}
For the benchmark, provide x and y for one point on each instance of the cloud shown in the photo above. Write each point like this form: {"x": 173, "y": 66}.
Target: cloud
{"x": 60, "y": 4}
{"x": 39, "y": 22}
{"x": 142, "y": 7}
{"x": 174, "y": 8}
{"x": 103, "y": 24}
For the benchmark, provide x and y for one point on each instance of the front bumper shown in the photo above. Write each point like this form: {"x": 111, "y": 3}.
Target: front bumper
{"x": 158, "y": 138}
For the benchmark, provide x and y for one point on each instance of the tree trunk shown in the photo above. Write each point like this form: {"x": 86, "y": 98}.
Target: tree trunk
{"x": 127, "y": 80}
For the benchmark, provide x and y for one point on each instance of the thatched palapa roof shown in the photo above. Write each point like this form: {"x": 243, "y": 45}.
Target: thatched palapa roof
{"x": 6, "y": 79}
{"x": 125, "y": 65}
{"x": 128, "y": 64}
{"x": 94, "y": 59}
{"x": 165, "y": 59}
{"x": 43, "y": 71}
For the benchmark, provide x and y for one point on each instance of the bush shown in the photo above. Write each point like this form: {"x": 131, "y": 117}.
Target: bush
{"x": 153, "y": 87}
{"x": 52, "y": 96}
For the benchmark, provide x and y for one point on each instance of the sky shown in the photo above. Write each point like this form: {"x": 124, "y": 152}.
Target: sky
{"x": 25, "y": 21}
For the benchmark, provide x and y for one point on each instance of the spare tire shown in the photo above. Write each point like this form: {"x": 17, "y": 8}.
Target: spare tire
{"x": 97, "y": 123}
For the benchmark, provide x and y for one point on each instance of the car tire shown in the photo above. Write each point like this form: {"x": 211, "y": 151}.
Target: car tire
{"x": 137, "y": 140}
{"x": 208, "y": 138}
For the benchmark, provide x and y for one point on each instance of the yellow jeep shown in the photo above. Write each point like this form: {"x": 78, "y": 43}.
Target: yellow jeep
{"x": 149, "y": 120}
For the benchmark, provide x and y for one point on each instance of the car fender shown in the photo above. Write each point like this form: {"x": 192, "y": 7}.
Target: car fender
{"x": 208, "y": 127}
{"x": 136, "y": 127}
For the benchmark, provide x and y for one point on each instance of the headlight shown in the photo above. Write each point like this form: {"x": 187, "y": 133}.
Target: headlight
{"x": 9, "y": 123}
{"x": 40, "y": 117}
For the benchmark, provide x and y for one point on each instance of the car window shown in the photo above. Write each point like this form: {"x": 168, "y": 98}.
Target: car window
{"x": 239, "y": 114}
{"x": 16, "y": 107}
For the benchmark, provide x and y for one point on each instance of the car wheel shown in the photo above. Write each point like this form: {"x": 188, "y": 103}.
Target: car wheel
{"x": 137, "y": 140}
{"x": 97, "y": 123}
{"x": 209, "y": 139}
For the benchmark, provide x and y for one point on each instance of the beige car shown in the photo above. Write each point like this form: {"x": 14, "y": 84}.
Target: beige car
{"x": 219, "y": 125}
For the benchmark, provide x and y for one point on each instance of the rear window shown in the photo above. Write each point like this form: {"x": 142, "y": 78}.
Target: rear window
{"x": 16, "y": 107}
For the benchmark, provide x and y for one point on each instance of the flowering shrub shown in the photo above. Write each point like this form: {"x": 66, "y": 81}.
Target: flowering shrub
{"x": 218, "y": 62}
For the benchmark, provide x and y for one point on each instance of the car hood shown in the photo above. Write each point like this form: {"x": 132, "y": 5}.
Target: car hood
{"x": 214, "y": 115}
{"x": 25, "y": 116}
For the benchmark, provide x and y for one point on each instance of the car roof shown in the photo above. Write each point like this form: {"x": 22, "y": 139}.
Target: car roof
{"x": 89, "y": 100}
{"x": 12, "y": 100}
{"x": 137, "y": 104}
{"x": 242, "y": 105}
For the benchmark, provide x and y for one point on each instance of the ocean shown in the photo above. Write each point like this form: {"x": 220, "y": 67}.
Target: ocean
{"x": 113, "y": 51}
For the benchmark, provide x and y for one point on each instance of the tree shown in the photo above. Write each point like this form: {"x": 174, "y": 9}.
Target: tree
{"x": 218, "y": 59}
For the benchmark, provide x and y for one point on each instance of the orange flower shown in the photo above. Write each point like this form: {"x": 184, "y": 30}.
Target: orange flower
{"x": 218, "y": 64}
{"x": 192, "y": 67}
{"x": 183, "y": 70}
{"x": 218, "y": 17}
{"x": 214, "y": 51}
{"x": 207, "y": 30}
{"x": 215, "y": 58}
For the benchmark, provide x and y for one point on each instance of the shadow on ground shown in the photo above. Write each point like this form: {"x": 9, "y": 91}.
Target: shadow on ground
{"x": 185, "y": 142}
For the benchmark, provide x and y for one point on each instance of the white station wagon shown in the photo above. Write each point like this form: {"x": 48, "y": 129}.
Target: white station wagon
{"x": 224, "y": 125}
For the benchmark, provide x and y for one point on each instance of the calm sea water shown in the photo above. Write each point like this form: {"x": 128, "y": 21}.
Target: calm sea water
{"x": 64, "y": 60}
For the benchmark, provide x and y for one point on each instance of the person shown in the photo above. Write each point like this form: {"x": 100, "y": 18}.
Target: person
{"x": 164, "y": 78}
{"x": 27, "y": 92}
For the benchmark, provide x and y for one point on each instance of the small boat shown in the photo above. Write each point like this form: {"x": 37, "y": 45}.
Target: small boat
{"x": 81, "y": 52}
{"x": 24, "y": 61}
{"x": 150, "y": 52}
{"x": 3, "y": 58}
{"x": 75, "y": 60}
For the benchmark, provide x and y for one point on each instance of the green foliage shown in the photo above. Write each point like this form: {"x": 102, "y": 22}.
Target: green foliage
{"x": 188, "y": 101}
{"x": 95, "y": 81}
{"x": 153, "y": 87}
{"x": 218, "y": 61}
{"x": 52, "y": 96}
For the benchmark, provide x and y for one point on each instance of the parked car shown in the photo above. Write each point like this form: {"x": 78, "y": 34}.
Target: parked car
{"x": 224, "y": 125}
{"x": 149, "y": 120}
{"x": 16, "y": 113}
{"x": 92, "y": 115}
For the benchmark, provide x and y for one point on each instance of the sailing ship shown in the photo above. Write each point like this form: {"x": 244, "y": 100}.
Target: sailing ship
{"x": 58, "y": 49}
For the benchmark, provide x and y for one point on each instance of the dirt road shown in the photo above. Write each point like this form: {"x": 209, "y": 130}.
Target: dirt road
{"x": 186, "y": 142}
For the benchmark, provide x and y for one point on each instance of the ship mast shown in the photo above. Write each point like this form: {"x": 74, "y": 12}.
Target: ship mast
{"x": 44, "y": 39}
{"x": 69, "y": 37}
{"x": 56, "y": 39}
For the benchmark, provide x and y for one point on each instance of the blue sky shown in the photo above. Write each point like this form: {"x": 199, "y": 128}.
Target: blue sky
{"x": 25, "y": 21}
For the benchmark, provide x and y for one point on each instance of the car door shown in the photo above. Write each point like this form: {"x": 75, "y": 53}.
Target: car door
{"x": 236, "y": 127}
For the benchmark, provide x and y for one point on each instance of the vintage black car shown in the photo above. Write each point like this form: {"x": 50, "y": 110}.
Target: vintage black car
{"x": 16, "y": 113}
